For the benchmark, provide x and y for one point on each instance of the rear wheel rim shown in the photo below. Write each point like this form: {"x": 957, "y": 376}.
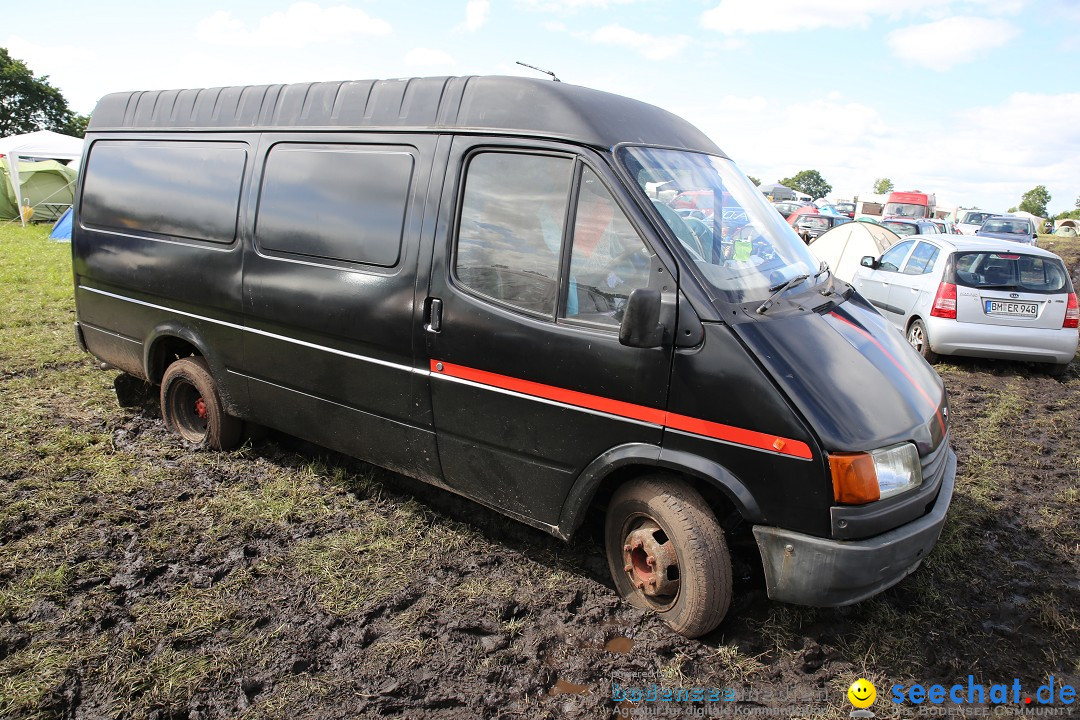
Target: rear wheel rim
{"x": 187, "y": 407}
{"x": 916, "y": 337}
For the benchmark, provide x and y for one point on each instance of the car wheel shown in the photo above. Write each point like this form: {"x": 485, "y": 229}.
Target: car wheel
{"x": 1055, "y": 370}
{"x": 192, "y": 408}
{"x": 916, "y": 335}
{"x": 667, "y": 553}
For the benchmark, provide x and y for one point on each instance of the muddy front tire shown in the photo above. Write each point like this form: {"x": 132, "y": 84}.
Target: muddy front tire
{"x": 192, "y": 408}
{"x": 667, "y": 553}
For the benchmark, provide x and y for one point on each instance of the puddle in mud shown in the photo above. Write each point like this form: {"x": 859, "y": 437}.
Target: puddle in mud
{"x": 563, "y": 687}
{"x": 619, "y": 644}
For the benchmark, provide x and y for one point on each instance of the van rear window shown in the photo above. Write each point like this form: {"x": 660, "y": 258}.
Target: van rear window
{"x": 173, "y": 188}
{"x": 336, "y": 202}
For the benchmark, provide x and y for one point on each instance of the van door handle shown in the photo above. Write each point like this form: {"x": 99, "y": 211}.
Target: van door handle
{"x": 433, "y": 312}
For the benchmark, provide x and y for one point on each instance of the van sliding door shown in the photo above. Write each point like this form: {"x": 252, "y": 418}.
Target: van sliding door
{"x": 329, "y": 278}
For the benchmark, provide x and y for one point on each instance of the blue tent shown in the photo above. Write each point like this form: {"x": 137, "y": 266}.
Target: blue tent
{"x": 61, "y": 229}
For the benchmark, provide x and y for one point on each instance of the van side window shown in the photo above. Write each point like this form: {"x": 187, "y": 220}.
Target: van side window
{"x": 335, "y": 202}
{"x": 161, "y": 186}
{"x": 513, "y": 213}
{"x": 892, "y": 258}
{"x": 608, "y": 258}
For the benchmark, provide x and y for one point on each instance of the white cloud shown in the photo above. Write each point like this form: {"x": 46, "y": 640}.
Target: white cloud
{"x": 945, "y": 43}
{"x": 653, "y": 47}
{"x": 567, "y": 7}
{"x": 302, "y": 24}
{"x": 733, "y": 17}
{"x": 748, "y": 17}
{"x": 428, "y": 58}
{"x": 987, "y": 156}
{"x": 476, "y": 14}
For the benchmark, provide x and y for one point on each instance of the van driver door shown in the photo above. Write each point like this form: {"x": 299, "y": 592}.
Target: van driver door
{"x": 536, "y": 251}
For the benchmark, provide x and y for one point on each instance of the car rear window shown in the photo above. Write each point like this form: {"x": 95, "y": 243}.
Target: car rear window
{"x": 1028, "y": 273}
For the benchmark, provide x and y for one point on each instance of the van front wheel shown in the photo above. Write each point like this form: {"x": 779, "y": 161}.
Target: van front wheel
{"x": 667, "y": 553}
{"x": 192, "y": 408}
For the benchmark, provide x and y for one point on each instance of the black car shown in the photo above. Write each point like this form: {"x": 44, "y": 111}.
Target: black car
{"x": 810, "y": 226}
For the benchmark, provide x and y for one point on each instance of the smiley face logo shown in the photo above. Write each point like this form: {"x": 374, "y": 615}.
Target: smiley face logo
{"x": 862, "y": 693}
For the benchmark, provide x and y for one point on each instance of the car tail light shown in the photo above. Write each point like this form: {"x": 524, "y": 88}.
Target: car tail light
{"x": 1072, "y": 312}
{"x": 945, "y": 301}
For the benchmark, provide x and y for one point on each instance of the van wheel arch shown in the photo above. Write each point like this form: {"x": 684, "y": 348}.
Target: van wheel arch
{"x": 166, "y": 346}
{"x": 728, "y": 497}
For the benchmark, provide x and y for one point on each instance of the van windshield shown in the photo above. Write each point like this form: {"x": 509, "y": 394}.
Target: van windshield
{"x": 739, "y": 242}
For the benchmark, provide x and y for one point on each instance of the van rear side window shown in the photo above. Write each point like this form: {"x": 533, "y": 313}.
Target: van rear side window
{"x": 336, "y": 202}
{"x": 179, "y": 189}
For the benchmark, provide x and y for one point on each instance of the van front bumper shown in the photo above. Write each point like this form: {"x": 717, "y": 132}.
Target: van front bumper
{"x": 809, "y": 570}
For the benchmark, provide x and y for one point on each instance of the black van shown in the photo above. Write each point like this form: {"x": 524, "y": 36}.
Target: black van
{"x": 474, "y": 281}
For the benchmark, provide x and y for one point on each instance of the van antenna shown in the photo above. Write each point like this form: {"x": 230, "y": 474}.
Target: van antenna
{"x": 546, "y": 72}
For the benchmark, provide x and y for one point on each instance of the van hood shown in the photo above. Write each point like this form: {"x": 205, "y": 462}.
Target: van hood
{"x": 854, "y": 378}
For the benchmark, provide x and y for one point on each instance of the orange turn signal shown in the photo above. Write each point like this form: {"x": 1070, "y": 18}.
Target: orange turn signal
{"x": 854, "y": 479}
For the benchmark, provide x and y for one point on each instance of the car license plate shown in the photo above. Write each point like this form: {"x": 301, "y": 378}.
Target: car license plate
{"x": 1011, "y": 307}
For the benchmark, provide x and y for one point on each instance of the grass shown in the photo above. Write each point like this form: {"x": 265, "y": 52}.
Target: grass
{"x": 143, "y": 577}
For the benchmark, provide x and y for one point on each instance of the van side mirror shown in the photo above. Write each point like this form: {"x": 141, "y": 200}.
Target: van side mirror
{"x": 640, "y": 325}
{"x": 870, "y": 261}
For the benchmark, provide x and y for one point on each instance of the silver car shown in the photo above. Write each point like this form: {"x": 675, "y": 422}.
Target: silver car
{"x": 982, "y": 297}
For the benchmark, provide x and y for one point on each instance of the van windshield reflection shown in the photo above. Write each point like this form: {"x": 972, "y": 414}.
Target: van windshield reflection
{"x": 739, "y": 242}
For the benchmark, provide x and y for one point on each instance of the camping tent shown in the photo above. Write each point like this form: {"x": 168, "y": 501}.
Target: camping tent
{"x": 1067, "y": 228}
{"x": 43, "y": 144}
{"x": 845, "y": 245}
{"x": 45, "y": 187}
{"x": 1035, "y": 219}
{"x": 62, "y": 228}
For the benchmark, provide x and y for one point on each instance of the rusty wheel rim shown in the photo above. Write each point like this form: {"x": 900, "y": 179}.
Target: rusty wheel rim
{"x": 188, "y": 410}
{"x": 651, "y": 562}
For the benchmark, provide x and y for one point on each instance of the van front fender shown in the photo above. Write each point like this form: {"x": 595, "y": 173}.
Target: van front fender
{"x": 713, "y": 474}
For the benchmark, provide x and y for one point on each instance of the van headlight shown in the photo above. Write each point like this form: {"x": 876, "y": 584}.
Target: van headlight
{"x": 860, "y": 478}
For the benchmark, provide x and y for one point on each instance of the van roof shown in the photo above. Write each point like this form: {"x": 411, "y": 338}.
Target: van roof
{"x": 476, "y": 104}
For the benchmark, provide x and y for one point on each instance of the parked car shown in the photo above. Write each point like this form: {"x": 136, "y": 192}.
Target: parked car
{"x": 810, "y": 226}
{"x": 801, "y": 212}
{"x": 846, "y": 208}
{"x": 693, "y": 200}
{"x": 970, "y": 221}
{"x": 982, "y": 297}
{"x": 1009, "y": 227}
{"x": 788, "y": 207}
{"x": 906, "y": 226}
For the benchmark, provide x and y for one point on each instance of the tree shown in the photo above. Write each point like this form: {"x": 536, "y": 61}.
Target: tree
{"x": 1035, "y": 200}
{"x": 809, "y": 182}
{"x": 1078, "y": 202}
{"x": 28, "y": 103}
{"x": 758, "y": 182}
{"x": 883, "y": 185}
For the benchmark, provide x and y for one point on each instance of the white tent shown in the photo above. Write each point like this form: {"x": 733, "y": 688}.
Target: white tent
{"x": 41, "y": 144}
{"x": 845, "y": 245}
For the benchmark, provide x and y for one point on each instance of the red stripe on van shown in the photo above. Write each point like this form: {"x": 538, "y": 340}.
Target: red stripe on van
{"x": 718, "y": 431}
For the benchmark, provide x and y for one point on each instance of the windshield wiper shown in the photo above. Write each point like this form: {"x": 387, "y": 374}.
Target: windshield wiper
{"x": 778, "y": 290}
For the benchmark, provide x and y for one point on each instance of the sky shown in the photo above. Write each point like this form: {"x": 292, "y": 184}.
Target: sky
{"x": 977, "y": 101}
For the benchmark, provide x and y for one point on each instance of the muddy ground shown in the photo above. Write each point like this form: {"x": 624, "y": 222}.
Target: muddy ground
{"x": 141, "y": 579}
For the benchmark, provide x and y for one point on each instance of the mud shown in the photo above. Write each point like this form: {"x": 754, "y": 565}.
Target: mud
{"x": 997, "y": 600}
